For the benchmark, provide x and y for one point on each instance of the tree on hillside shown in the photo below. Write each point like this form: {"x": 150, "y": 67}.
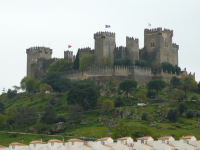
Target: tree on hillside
{"x": 182, "y": 107}
{"x": 118, "y": 102}
{"x": 2, "y": 109}
{"x": 83, "y": 94}
{"x": 49, "y": 114}
{"x": 11, "y": 93}
{"x": 43, "y": 88}
{"x": 188, "y": 84}
{"x": 140, "y": 132}
{"x": 10, "y": 115}
{"x": 128, "y": 86}
{"x": 175, "y": 81}
{"x": 16, "y": 88}
{"x": 76, "y": 61}
{"x": 25, "y": 116}
{"x": 60, "y": 65}
{"x": 31, "y": 85}
{"x": 178, "y": 95}
{"x": 144, "y": 116}
{"x": 107, "y": 105}
{"x": 198, "y": 87}
{"x": 190, "y": 114}
{"x": 157, "y": 85}
{"x": 121, "y": 130}
{"x": 74, "y": 112}
{"x": 106, "y": 61}
{"x": 57, "y": 83}
{"x": 172, "y": 115}
{"x": 22, "y": 83}
{"x": 86, "y": 60}
{"x": 140, "y": 96}
{"x": 2, "y": 119}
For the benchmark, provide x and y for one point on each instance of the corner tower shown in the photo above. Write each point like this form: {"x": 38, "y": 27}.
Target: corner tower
{"x": 33, "y": 53}
{"x": 159, "y": 47}
{"x": 104, "y": 45}
{"x": 132, "y": 46}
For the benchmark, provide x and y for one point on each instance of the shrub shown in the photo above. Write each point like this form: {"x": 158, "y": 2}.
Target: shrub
{"x": 182, "y": 107}
{"x": 172, "y": 115}
{"x": 178, "y": 126}
{"x": 118, "y": 102}
{"x": 60, "y": 118}
{"x": 190, "y": 114}
{"x": 194, "y": 97}
{"x": 11, "y": 93}
{"x": 144, "y": 116}
{"x": 13, "y": 135}
{"x": 175, "y": 81}
{"x": 151, "y": 94}
{"x": 107, "y": 105}
{"x": 198, "y": 114}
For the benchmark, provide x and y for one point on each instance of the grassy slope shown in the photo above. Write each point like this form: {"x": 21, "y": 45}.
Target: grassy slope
{"x": 95, "y": 128}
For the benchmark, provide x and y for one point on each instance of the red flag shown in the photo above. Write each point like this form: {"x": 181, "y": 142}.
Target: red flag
{"x": 69, "y": 46}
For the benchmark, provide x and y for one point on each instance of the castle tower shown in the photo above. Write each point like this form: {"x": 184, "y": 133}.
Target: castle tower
{"x": 159, "y": 47}
{"x": 104, "y": 45}
{"x": 132, "y": 46}
{"x": 69, "y": 56}
{"x": 83, "y": 51}
{"x": 33, "y": 54}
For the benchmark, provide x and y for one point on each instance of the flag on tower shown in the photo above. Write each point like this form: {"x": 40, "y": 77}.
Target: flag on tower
{"x": 69, "y": 46}
{"x": 149, "y": 24}
{"x": 107, "y": 26}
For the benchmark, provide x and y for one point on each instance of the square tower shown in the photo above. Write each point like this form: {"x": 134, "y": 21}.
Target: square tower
{"x": 159, "y": 47}
{"x": 33, "y": 54}
{"x": 104, "y": 45}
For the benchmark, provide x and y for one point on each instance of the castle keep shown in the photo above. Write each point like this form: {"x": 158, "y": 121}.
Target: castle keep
{"x": 158, "y": 48}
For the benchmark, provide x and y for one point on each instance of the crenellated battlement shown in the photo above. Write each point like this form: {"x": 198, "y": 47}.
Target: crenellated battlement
{"x": 131, "y": 39}
{"x": 86, "y": 49}
{"x": 174, "y": 45}
{"x": 39, "y": 48}
{"x": 109, "y": 34}
{"x": 158, "y": 30}
{"x": 67, "y": 51}
{"x": 120, "y": 48}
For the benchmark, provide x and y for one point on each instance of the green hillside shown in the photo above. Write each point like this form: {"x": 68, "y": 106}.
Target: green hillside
{"x": 97, "y": 128}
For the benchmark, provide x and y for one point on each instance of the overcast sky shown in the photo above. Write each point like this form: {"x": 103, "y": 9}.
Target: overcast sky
{"x": 60, "y": 23}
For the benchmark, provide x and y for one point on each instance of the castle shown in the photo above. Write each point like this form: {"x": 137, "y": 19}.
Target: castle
{"x": 158, "y": 48}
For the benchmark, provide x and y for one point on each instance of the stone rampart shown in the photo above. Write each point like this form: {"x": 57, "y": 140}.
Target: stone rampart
{"x": 119, "y": 73}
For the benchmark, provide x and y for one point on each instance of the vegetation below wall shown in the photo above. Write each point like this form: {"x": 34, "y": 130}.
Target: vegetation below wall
{"x": 94, "y": 111}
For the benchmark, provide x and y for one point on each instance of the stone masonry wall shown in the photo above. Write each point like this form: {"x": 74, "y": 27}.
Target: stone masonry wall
{"x": 34, "y": 53}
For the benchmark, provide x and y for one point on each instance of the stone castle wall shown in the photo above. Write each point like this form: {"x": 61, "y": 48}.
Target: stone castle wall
{"x": 118, "y": 72}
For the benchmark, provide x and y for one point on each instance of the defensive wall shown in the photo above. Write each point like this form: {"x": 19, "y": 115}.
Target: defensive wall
{"x": 121, "y": 73}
